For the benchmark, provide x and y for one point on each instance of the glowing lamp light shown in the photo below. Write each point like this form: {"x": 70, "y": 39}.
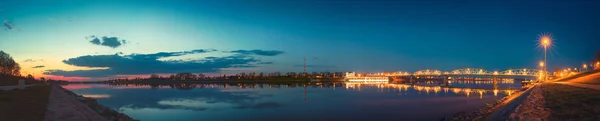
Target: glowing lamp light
{"x": 545, "y": 40}
{"x": 542, "y": 64}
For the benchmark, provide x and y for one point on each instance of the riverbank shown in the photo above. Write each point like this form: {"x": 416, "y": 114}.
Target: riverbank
{"x": 532, "y": 108}
{"x": 566, "y": 99}
{"x": 66, "y": 105}
{"x": 53, "y": 103}
{"x": 560, "y": 102}
{"x": 489, "y": 108}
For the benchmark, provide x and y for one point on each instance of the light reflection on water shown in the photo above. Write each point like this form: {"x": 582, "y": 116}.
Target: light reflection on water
{"x": 290, "y": 102}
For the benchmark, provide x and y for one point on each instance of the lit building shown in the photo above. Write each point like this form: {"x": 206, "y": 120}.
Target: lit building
{"x": 353, "y": 77}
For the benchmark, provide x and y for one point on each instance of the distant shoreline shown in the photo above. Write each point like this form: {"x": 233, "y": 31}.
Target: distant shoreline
{"x": 227, "y": 81}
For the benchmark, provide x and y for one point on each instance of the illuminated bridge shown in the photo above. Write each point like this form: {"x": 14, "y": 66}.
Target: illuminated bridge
{"x": 464, "y": 72}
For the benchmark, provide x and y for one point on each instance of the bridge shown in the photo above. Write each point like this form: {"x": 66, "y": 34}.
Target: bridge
{"x": 464, "y": 72}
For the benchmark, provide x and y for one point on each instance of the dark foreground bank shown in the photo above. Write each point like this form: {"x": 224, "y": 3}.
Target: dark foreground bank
{"x": 52, "y": 102}
{"x": 24, "y": 105}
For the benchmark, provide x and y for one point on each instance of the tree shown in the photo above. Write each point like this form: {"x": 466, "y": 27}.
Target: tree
{"x": 8, "y": 65}
{"x": 172, "y": 77}
{"x": 16, "y": 70}
{"x": 201, "y": 76}
{"x": 154, "y": 76}
{"x": 30, "y": 77}
{"x": 185, "y": 76}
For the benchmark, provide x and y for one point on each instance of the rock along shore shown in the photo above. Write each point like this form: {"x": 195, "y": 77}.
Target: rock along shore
{"x": 486, "y": 110}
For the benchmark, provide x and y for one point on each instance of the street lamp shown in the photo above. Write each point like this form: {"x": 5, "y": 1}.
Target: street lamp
{"x": 585, "y": 67}
{"x": 545, "y": 42}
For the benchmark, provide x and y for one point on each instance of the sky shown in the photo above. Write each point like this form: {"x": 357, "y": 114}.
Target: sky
{"x": 103, "y": 39}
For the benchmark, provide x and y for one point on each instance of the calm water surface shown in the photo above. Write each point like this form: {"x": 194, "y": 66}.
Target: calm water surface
{"x": 294, "y": 102}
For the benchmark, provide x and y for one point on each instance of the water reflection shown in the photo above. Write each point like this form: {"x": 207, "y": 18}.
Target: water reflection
{"x": 95, "y": 96}
{"x": 290, "y": 101}
{"x": 431, "y": 89}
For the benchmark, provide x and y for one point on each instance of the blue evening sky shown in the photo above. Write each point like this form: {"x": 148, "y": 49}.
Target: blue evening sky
{"x": 231, "y": 36}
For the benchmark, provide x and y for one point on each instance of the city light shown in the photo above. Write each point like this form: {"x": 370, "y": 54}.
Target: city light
{"x": 545, "y": 41}
{"x": 541, "y": 64}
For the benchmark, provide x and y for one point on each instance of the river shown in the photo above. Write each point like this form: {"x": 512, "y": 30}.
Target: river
{"x": 424, "y": 101}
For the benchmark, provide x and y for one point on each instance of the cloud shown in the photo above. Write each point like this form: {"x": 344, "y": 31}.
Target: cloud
{"x": 7, "y": 25}
{"x": 315, "y": 66}
{"x": 258, "y": 52}
{"x": 118, "y": 64}
{"x": 265, "y": 63}
{"x": 112, "y": 42}
{"x": 96, "y": 41}
{"x": 40, "y": 66}
{"x": 32, "y": 60}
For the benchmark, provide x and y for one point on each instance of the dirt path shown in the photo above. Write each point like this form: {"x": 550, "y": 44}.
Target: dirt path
{"x": 63, "y": 107}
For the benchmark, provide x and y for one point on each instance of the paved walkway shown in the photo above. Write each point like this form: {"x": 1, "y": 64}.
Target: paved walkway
{"x": 64, "y": 107}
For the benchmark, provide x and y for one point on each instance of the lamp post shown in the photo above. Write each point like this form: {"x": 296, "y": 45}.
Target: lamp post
{"x": 584, "y": 67}
{"x": 545, "y": 42}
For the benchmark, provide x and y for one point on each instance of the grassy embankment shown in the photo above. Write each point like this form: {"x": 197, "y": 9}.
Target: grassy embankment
{"x": 24, "y": 105}
{"x": 571, "y": 103}
{"x": 593, "y": 78}
{"x": 592, "y": 72}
